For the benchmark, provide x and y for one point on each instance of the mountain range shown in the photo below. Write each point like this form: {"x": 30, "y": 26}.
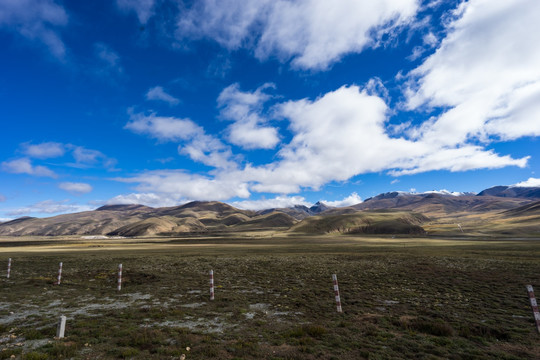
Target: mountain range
{"x": 503, "y": 210}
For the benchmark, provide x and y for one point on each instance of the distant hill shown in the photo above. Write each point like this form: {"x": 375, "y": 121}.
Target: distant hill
{"x": 300, "y": 212}
{"x": 139, "y": 220}
{"x": 500, "y": 209}
{"x": 433, "y": 203}
{"x": 512, "y": 191}
{"x": 365, "y": 222}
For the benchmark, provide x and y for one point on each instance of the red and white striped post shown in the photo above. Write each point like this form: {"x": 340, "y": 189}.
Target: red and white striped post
{"x": 59, "y": 274}
{"x": 534, "y": 306}
{"x": 336, "y": 293}
{"x": 9, "y": 268}
{"x": 211, "y": 284}
{"x": 119, "y": 277}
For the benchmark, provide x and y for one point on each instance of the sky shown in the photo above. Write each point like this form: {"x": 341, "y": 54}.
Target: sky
{"x": 263, "y": 103}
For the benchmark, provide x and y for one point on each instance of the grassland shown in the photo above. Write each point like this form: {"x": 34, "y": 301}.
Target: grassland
{"x": 403, "y": 298}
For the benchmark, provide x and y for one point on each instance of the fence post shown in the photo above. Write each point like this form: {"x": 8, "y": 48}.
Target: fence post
{"x": 534, "y": 306}
{"x": 119, "y": 277}
{"x": 211, "y": 284}
{"x": 336, "y": 293}
{"x": 9, "y": 268}
{"x": 59, "y": 274}
{"x": 61, "y": 327}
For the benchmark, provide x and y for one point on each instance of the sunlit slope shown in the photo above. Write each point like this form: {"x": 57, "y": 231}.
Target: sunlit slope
{"x": 364, "y": 222}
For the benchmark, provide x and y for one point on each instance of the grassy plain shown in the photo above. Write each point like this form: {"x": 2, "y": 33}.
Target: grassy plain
{"x": 403, "y": 298}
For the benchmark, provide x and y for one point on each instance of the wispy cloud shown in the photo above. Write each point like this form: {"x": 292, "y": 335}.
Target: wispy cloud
{"x": 108, "y": 60}
{"x": 49, "y": 207}
{"x": 36, "y": 20}
{"x": 86, "y": 158}
{"x": 198, "y": 145}
{"x": 75, "y": 187}
{"x": 143, "y": 8}
{"x": 25, "y": 166}
{"x": 44, "y": 150}
{"x": 158, "y": 93}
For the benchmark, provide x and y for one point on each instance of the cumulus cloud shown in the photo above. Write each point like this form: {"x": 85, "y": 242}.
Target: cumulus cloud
{"x": 531, "y": 182}
{"x": 148, "y": 199}
{"x": 44, "y": 150}
{"x": 49, "y": 207}
{"x": 158, "y": 93}
{"x": 245, "y": 109}
{"x": 277, "y": 202}
{"x": 485, "y": 72}
{"x": 75, "y": 188}
{"x": 36, "y": 20}
{"x": 337, "y": 136}
{"x": 343, "y": 134}
{"x": 313, "y": 33}
{"x": 143, "y": 8}
{"x": 198, "y": 145}
{"x": 181, "y": 185}
{"x": 350, "y": 200}
{"x": 25, "y": 166}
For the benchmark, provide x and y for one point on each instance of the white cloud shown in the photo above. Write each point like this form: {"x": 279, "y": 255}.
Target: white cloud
{"x": 486, "y": 71}
{"x": 109, "y": 60}
{"x": 350, "y": 200}
{"x": 38, "y": 20}
{"x": 187, "y": 186}
{"x": 245, "y": 109}
{"x": 531, "y": 182}
{"x": 198, "y": 145}
{"x": 49, "y": 207}
{"x": 163, "y": 128}
{"x": 143, "y": 8}
{"x": 44, "y": 150}
{"x": 334, "y": 137}
{"x": 148, "y": 199}
{"x": 444, "y": 192}
{"x": 457, "y": 159}
{"x": 85, "y": 158}
{"x": 24, "y": 166}
{"x": 75, "y": 188}
{"x": 158, "y": 93}
{"x": 2, "y": 198}
{"x": 277, "y": 202}
{"x": 343, "y": 134}
{"x": 313, "y": 33}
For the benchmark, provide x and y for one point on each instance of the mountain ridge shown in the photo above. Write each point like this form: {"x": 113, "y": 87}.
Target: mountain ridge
{"x": 215, "y": 216}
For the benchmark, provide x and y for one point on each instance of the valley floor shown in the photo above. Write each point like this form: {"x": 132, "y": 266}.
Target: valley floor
{"x": 405, "y": 298}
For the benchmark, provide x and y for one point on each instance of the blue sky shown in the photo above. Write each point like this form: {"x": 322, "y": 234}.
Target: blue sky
{"x": 263, "y": 103}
